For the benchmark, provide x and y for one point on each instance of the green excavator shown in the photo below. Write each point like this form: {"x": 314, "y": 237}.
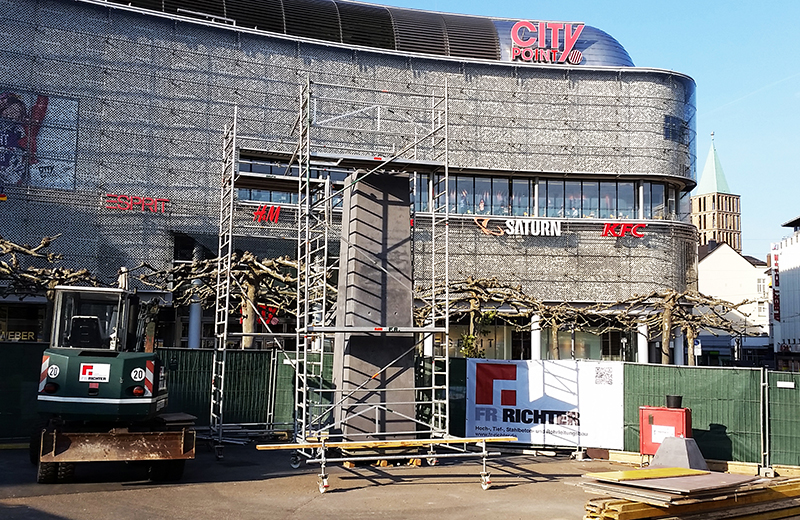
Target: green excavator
{"x": 103, "y": 391}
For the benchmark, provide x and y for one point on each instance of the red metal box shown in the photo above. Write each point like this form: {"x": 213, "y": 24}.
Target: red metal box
{"x": 656, "y": 423}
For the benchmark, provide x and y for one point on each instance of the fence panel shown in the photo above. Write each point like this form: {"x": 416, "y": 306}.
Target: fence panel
{"x": 188, "y": 381}
{"x": 258, "y": 385}
{"x": 19, "y": 387}
{"x": 725, "y": 405}
{"x": 784, "y": 420}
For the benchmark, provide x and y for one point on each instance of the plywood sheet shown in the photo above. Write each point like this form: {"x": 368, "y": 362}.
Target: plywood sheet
{"x": 691, "y": 484}
{"x": 383, "y": 444}
{"x": 643, "y": 474}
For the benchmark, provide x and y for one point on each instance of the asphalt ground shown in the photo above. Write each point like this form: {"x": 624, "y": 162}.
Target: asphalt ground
{"x": 251, "y": 484}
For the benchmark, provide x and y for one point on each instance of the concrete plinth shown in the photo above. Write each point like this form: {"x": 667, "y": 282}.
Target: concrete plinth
{"x": 679, "y": 452}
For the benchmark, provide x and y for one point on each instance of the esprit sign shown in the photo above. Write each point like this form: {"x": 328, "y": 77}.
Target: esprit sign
{"x": 530, "y": 42}
{"x": 128, "y": 202}
{"x": 618, "y": 229}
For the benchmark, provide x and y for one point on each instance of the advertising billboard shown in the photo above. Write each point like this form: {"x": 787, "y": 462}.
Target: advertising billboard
{"x": 548, "y": 403}
{"x": 38, "y": 139}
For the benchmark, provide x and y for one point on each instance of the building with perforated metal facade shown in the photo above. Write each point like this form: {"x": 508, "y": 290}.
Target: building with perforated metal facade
{"x": 569, "y": 167}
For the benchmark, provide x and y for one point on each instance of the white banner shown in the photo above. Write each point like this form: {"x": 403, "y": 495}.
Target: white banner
{"x": 549, "y": 403}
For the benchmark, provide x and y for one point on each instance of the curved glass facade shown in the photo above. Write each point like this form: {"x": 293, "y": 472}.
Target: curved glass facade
{"x": 556, "y": 198}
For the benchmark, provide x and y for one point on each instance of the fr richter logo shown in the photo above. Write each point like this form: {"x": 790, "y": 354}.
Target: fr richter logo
{"x": 487, "y": 411}
{"x": 485, "y": 376}
{"x": 94, "y": 373}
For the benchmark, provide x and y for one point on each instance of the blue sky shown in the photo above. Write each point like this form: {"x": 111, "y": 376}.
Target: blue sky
{"x": 745, "y": 61}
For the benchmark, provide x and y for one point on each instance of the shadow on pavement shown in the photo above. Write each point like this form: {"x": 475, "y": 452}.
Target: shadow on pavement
{"x": 12, "y": 512}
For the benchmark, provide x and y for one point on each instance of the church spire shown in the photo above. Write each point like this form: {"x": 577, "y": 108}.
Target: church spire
{"x": 712, "y": 180}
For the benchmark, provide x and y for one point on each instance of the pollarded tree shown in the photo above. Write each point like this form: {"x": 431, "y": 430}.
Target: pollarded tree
{"x": 27, "y": 270}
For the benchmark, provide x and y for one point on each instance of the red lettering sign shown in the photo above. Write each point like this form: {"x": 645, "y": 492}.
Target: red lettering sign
{"x": 267, "y": 213}
{"x": 128, "y": 202}
{"x": 526, "y": 35}
{"x": 619, "y": 229}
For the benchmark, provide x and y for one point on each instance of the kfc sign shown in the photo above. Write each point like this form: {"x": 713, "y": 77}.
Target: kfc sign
{"x": 618, "y": 229}
{"x": 546, "y": 42}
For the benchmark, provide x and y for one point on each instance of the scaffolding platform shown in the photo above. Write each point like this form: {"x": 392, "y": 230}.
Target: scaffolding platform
{"x": 322, "y": 446}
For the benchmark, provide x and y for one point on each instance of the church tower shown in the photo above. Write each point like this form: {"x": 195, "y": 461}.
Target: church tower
{"x": 715, "y": 210}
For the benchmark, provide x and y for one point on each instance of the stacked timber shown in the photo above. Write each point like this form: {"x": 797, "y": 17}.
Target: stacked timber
{"x": 689, "y": 495}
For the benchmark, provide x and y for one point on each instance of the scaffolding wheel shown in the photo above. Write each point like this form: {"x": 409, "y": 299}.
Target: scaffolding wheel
{"x": 432, "y": 461}
{"x": 322, "y": 482}
{"x": 218, "y": 451}
{"x": 486, "y": 481}
{"x": 294, "y": 460}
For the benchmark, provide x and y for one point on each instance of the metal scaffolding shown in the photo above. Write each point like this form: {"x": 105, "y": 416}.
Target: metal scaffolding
{"x": 405, "y": 127}
{"x": 223, "y": 288}
{"x": 316, "y": 404}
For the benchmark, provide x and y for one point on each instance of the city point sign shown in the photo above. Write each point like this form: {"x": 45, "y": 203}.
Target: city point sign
{"x": 530, "y": 42}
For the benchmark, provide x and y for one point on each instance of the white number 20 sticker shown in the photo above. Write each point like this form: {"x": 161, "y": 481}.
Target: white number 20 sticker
{"x": 137, "y": 374}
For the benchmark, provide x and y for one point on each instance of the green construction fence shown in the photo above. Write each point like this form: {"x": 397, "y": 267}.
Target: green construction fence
{"x": 726, "y": 403}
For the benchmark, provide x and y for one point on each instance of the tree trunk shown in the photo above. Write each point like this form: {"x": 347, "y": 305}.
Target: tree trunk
{"x": 249, "y": 315}
{"x": 554, "y": 340}
{"x": 691, "y": 335}
{"x": 666, "y": 333}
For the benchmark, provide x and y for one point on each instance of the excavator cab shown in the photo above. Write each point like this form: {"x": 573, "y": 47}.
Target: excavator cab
{"x": 96, "y": 318}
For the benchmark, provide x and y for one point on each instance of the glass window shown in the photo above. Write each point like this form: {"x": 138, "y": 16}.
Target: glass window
{"x": 572, "y": 195}
{"x": 647, "y": 202}
{"x": 22, "y": 322}
{"x": 608, "y": 200}
{"x": 421, "y": 193}
{"x": 520, "y": 197}
{"x": 674, "y": 129}
{"x": 542, "y": 198}
{"x": 466, "y": 194}
{"x": 671, "y": 203}
{"x": 283, "y": 197}
{"x": 338, "y": 175}
{"x": 591, "y": 200}
{"x": 453, "y": 197}
{"x": 259, "y": 167}
{"x": 500, "y": 198}
{"x": 483, "y": 195}
{"x": 657, "y": 198}
{"x": 555, "y": 199}
{"x": 626, "y": 200}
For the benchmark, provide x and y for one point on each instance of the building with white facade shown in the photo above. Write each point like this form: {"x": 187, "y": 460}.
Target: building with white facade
{"x": 785, "y": 263}
{"x": 725, "y": 274}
